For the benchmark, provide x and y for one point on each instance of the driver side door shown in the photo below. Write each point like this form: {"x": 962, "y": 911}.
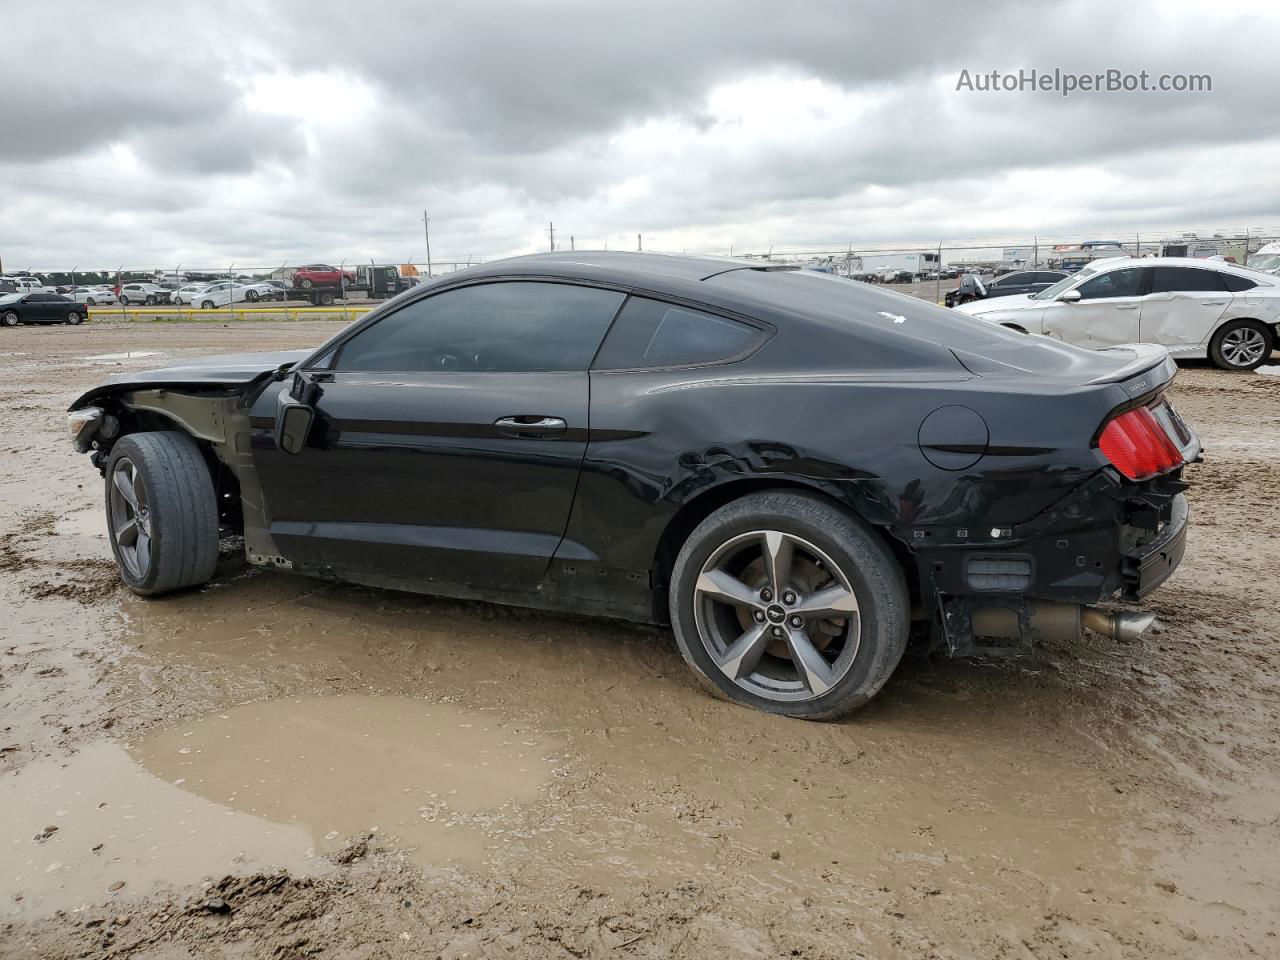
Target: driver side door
{"x": 448, "y": 438}
{"x": 1108, "y": 312}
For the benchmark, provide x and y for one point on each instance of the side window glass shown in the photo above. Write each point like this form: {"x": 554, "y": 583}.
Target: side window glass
{"x": 497, "y": 327}
{"x": 1117, "y": 283}
{"x": 1189, "y": 279}
{"x": 650, "y": 333}
{"x": 1236, "y": 284}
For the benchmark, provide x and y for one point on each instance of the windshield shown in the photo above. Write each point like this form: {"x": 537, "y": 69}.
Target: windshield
{"x": 1048, "y": 293}
{"x": 1264, "y": 261}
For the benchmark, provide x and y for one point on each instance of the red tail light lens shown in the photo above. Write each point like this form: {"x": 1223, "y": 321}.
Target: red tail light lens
{"x": 1138, "y": 446}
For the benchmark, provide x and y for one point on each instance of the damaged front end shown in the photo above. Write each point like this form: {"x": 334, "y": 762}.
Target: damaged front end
{"x": 210, "y": 400}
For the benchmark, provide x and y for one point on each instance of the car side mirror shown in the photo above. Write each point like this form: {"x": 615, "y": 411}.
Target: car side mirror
{"x": 293, "y": 423}
{"x": 1071, "y": 296}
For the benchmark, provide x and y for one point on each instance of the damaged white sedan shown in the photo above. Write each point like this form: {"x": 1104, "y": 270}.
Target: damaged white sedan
{"x": 1195, "y": 308}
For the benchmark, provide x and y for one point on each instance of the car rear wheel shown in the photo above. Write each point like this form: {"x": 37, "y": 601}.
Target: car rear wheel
{"x": 1241, "y": 345}
{"x": 161, "y": 512}
{"x": 784, "y": 602}
{"x": 73, "y": 317}
{"x": 10, "y": 318}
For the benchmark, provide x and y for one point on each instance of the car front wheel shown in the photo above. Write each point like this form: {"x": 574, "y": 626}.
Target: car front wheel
{"x": 1241, "y": 345}
{"x": 784, "y": 602}
{"x": 161, "y": 512}
{"x": 207, "y": 305}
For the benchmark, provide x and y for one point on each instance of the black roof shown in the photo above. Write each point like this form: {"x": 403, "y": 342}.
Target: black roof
{"x": 671, "y": 266}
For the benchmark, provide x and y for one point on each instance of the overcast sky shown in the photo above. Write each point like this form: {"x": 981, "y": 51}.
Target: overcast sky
{"x": 142, "y": 133}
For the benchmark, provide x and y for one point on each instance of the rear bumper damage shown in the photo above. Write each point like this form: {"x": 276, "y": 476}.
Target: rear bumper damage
{"x": 1110, "y": 540}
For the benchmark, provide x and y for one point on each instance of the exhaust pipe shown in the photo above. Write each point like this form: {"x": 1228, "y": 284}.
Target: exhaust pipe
{"x": 1122, "y": 627}
{"x": 1061, "y": 622}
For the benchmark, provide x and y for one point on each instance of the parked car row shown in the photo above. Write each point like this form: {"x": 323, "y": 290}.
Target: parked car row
{"x": 1195, "y": 308}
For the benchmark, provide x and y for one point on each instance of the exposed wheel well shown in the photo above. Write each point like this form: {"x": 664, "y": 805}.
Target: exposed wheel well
{"x": 226, "y": 484}
{"x": 699, "y": 508}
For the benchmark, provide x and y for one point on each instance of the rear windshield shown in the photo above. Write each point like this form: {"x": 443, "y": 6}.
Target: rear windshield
{"x": 841, "y": 301}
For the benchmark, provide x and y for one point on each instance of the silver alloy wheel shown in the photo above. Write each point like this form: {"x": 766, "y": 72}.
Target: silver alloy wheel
{"x": 1243, "y": 346}
{"x": 11, "y": 318}
{"x": 130, "y": 518}
{"x": 777, "y": 616}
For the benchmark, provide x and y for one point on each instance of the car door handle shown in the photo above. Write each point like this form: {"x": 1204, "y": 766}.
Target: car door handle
{"x": 1129, "y": 306}
{"x": 531, "y": 427}
{"x": 1213, "y": 303}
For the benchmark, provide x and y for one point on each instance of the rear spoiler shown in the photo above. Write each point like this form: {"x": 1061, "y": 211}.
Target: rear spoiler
{"x": 1147, "y": 358}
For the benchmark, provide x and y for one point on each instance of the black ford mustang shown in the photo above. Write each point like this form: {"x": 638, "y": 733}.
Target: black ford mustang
{"x": 793, "y": 470}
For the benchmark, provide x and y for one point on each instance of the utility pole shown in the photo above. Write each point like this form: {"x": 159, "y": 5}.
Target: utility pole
{"x": 426, "y": 229}
{"x": 571, "y": 246}
{"x": 551, "y": 232}
{"x": 639, "y": 245}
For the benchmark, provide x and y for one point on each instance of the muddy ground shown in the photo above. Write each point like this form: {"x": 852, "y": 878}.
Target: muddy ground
{"x": 276, "y": 767}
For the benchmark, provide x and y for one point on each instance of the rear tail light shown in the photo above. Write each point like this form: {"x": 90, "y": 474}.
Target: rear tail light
{"x": 1138, "y": 446}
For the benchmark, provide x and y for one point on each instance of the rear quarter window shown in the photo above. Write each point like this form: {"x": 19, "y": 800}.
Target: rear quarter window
{"x": 1237, "y": 284}
{"x": 651, "y": 333}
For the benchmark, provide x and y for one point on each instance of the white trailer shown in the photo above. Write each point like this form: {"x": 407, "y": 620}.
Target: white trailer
{"x": 889, "y": 267}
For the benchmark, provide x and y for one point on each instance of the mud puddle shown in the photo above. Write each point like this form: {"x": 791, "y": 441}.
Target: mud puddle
{"x": 274, "y": 784}
{"x": 424, "y": 776}
{"x": 98, "y": 826}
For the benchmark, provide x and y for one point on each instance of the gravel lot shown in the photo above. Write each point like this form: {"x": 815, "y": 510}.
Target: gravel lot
{"x": 276, "y": 767}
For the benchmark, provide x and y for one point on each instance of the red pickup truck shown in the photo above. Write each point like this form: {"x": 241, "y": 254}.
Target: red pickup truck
{"x": 321, "y": 275}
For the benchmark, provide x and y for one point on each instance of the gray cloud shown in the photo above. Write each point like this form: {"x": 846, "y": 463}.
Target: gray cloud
{"x": 151, "y": 136}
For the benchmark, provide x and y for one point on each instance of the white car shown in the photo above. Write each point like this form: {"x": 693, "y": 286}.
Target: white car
{"x": 141, "y": 292}
{"x": 222, "y": 292}
{"x": 253, "y": 290}
{"x": 1195, "y": 308}
{"x": 92, "y": 296}
{"x": 187, "y": 294}
{"x": 1266, "y": 259}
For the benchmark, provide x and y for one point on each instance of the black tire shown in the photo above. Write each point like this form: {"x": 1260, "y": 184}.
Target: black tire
{"x": 124, "y": 300}
{"x": 90, "y": 302}
{"x": 1230, "y": 346}
{"x": 859, "y": 556}
{"x": 73, "y": 317}
{"x": 179, "y": 511}
{"x": 326, "y": 299}
{"x": 207, "y": 305}
{"x": 251, "y": 295}
{"x": 305, "y": 284}
{"x": 10, "y": 318}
